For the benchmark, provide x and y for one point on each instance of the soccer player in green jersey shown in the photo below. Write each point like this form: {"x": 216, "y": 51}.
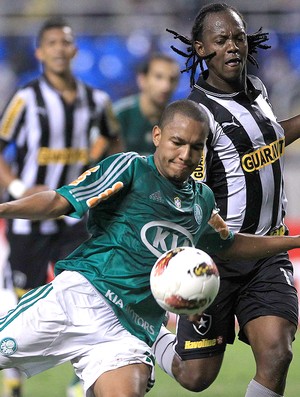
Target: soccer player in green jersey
{"x": 99, "y": 312}
{"x": 157, "y": 79}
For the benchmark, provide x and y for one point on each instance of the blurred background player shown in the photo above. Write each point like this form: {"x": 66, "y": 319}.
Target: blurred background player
{"x": 157, "y": 80}
{"x": 59, "y": 126}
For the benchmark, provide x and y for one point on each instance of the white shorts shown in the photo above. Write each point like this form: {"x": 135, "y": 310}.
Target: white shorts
{"x": 64, "y": 320}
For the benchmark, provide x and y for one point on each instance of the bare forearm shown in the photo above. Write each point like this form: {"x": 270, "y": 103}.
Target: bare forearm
{"x": 40, "y": 206}
{"x": 291, "y": 129}
{"x": 247, "y": 246}
{"x": 6, "y": 175}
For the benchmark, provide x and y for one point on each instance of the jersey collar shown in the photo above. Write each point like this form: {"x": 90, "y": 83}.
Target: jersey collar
{"x": 252, "y": 92}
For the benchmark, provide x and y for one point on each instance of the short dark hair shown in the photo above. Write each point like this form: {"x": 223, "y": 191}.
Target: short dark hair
{"x": 143, "y": 67}
{"x": 186, "y": 107}
{"x": 52, "y": 23}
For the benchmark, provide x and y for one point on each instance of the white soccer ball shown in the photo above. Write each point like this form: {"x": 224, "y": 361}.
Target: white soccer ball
{"x": 184, "y": 280}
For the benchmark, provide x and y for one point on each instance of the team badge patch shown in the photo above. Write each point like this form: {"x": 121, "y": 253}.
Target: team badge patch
{"x": 177, "y": 202}
{"x": 198, "y": 214}
{"x": 203, "y": 325}
{"x": 8, "y": 346}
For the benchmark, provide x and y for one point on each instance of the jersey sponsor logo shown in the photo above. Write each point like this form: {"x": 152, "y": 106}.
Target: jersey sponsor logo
{"x": 199, "y": 172}
{"x": 161, "y": 236}
{"x": 140, "y": 321}
{"x": 263, "y": 156}
{"x": 114, "y": 298}
{"x": 62, "y": 156}
{"x": 203, "y": 324}
{"x": 8, "y": 346}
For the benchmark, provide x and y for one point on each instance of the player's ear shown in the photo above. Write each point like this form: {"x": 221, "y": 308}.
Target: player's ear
{"x": 199, "y": 48}
{"x": 140, "y": 79}
{"x": 39, "y": 54}
{"x": 74, "y": 53}
{"x": 156, "y": 135}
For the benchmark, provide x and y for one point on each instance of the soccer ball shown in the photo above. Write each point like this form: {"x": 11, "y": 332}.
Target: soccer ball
{"x": 184, "y": 280}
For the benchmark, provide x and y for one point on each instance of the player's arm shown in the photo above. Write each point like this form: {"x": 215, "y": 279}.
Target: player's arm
{"x": 247, "y": 246}
{"x": 10, "y": 182}
{"x": 44, "y": 205}
{"x": 291, "y": 129}
{"x": 6, "y": 175}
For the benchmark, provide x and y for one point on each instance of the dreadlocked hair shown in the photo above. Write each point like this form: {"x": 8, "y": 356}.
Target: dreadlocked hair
{"x": 254, "y": 40}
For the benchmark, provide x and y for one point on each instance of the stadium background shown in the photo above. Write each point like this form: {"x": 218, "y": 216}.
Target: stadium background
{"x": 114, "y": 36}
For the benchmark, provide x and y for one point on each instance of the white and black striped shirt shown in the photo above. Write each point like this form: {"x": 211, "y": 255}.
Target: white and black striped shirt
{"x": 52, "y": 137}
{"x": 244, "y": 163}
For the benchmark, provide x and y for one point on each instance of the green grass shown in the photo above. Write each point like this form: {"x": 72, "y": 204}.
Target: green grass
{"x": 236, "y": 372}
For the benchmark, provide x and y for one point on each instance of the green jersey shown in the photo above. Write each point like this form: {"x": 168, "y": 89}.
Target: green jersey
{"x": 131, "y": 229}
{"x": 135, "y": 127}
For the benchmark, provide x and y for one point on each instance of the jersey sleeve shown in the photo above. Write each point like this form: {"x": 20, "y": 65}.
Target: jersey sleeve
{"x": 106, "y": 181}
{"x": 210, "y": 240}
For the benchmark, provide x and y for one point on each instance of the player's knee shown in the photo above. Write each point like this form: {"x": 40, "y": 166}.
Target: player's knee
{"x": 196, "y": 382}
{"x": 194, "y": 377}
{"x": 281, "y": 358}
{"x": 274, "y": 362}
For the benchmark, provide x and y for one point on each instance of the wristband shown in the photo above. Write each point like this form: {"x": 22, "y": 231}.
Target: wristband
{"x": 16, "y": 188}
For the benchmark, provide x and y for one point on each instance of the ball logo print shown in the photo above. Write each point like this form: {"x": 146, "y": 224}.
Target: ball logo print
{"x": 184, "y": 280}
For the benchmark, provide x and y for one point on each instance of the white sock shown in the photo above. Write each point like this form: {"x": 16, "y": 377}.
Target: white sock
{"x": 255, "y": 389}
{"x": 163, "y": 350}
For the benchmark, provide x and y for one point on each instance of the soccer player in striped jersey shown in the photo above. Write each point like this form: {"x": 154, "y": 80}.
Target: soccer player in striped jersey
{"x": 244, "y": 167}
{"x": 98, "y": 311}
{"x": 60, "y": 126}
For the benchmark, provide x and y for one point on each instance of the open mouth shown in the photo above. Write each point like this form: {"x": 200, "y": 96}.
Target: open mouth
{"x": 233, "y": 62}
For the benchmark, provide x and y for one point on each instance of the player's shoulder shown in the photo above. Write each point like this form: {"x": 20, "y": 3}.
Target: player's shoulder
{"x": 96, "y": 93}
{"x": 204, "y": 190}
{"x": 27, "y": 88}
{"x": 125, "y": 104}
{"x": 126, "y": 157}
{"x": 257, "y": 82}
{"x": 20, "y": 98}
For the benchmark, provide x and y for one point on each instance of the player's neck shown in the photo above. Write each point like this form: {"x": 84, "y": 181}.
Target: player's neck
{"x": 64, "y": 84}
{"x": 149, "y": 109}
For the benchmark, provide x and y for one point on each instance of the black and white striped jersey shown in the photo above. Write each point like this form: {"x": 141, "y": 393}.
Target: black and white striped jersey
{"x": 52, "y": 137}
{"x": 243, "y": 161}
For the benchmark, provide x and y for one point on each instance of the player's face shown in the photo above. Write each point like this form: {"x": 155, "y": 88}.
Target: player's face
{"x": 56, "y": 50}
{"x": 160, "y": 81}
{"x": 179, "y": 147}
{"x": 224, "y": 34}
